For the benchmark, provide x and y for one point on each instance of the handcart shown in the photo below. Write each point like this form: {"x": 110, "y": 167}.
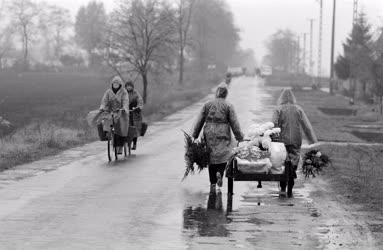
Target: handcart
{"x": 234, "y": 174}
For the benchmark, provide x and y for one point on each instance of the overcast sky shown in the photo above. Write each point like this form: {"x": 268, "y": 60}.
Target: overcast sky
{"x": 258, "y": 19}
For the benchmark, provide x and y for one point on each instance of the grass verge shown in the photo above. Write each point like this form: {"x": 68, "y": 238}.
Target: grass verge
{"x": 357, "y": 173}
{"x": 52, "y": 121}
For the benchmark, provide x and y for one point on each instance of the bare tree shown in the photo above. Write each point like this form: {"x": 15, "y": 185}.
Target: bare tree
{"x": 184, "y": 16}
{"x": 141, "y": 31}
{"x": 6, "y": 34}
{"x": 90, "y": 28}
{"x": 55, "y": 21}
{"x": 214, "y": 35}
{"x": 281, "y": 49}
{"x": 6, "y": 43}
{"x": 24, "y": 14}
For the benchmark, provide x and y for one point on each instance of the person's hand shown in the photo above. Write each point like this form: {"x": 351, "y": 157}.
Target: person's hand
{"x": 310, "y": 146}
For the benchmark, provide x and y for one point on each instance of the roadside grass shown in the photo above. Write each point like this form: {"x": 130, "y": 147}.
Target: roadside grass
{"x": 48, "y": 110}
{"x": 37, "y": 140}
{"x": 356, "y": 173}
{"x": 333, "y": 127}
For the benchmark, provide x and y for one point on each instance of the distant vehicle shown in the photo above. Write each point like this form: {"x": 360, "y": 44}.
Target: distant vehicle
{"x": 266, "y": 71}
{"x": 235, "y": 71}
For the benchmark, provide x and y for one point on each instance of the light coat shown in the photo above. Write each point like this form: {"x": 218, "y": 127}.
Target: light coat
{"x": 292, "y": 120}
{"x": 218, "y": 119}
{"x": 112, "y": 102}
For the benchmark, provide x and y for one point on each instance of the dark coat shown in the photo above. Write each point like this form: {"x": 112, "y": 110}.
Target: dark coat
{"x": 136, "y": 101}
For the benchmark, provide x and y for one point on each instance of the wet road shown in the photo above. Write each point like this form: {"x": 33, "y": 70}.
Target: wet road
{"x": 77, "y": 201}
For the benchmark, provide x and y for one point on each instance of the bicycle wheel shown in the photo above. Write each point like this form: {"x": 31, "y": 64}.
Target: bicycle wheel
{"x": 114, "y": 147}
{"x": 109, "y": 156}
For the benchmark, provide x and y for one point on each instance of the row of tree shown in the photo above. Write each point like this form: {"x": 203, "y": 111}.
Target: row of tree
{"x": 138, "y": 36}
{"x": 28, "y": 22}
{"x": 283, "y": 51}
{"x": 362, "y": 60}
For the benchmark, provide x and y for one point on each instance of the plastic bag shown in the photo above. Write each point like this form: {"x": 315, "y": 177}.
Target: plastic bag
{"x": 278, "y": 155}
{"x": 92, "y": 118}
{"x": 249, "y": 167}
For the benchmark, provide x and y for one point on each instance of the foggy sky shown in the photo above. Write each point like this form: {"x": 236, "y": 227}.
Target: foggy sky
{"x": 258, "y": 19}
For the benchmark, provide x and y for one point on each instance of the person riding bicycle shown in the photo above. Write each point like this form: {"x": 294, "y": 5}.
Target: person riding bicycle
{"x": 116, "y": 100}
{"x": 136, "y": 105}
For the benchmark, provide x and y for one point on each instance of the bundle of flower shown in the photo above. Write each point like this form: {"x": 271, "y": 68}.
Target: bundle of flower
{"x": 250, "y": 152}
{"x": 261, "y": 153}
{"x": 196, "y": 153}
{"x": 314, "y": 162}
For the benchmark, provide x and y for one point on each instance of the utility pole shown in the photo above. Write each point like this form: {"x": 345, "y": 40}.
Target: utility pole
{"x": 298, "y": 55}
{"x": 311, "y": 62}
{"x": 320, "y": 42}
{"x": 304, "y": 53}
{"x": 355, "y": 12}
{"x": 352, "y": 64}
{"x": 332, "y": 50}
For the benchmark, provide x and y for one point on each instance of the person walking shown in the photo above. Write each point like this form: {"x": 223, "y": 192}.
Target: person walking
{"x": 136, "y": 104}
{"x": 218, "y": 118}
{"x": 292, "y": 120}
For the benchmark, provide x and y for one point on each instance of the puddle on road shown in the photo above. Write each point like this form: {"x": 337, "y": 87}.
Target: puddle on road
{"x": 287, "y": 205}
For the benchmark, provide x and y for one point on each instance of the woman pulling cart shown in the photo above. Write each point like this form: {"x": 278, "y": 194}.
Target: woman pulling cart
{"x": 293, "y": 121}
{"x": 218, "y": 118}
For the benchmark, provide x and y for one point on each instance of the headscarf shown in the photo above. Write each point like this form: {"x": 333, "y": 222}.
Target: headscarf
{"x": 129, "y": 83}
{"x": 222, "y": 91}
{"x": 116, "y": 79}
{"x": 287, "y": 97}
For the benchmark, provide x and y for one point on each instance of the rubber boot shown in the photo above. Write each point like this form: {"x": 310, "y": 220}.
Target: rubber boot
{"x": 290, "y": 189}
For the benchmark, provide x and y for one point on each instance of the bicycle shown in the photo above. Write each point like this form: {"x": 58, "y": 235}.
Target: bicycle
{"x": 111, "y": 135}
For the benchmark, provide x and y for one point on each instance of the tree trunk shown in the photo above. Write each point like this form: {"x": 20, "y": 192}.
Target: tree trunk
{"x": 181, "y": 69}
{"x": 364, "y": 89}
{"x": 91, "y": 59}
{"x": 381, "y": 105}
{"x": 25, "y": 33}
{"x": 145, "y": 84}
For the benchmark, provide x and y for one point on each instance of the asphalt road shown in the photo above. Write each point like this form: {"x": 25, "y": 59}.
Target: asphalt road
{"x": 76, "y": 200}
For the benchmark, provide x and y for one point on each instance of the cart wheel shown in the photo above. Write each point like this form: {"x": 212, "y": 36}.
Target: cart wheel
{"x": 109, "y": 157}
{"x": 230, "y": 186}
{"x": 229, "y": 207}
